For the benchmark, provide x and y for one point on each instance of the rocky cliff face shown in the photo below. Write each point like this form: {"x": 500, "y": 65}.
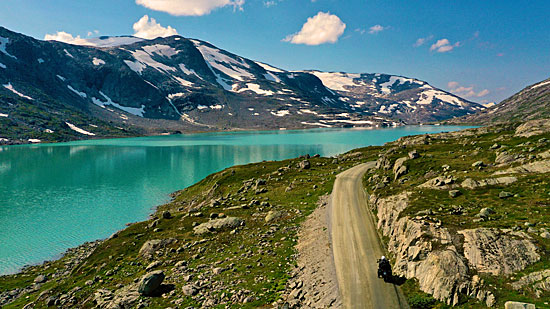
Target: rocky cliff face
{"x": 179, "y": 84}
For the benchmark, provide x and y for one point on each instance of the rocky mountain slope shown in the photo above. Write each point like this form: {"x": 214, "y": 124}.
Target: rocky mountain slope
{"x": 533, "y": 102}
{"x": 463, "y": 216}
{"x": 178, "y": 84}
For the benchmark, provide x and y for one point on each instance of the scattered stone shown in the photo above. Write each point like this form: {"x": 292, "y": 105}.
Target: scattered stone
{"x": 545, "y": 235}
{"x": 153, "y": 265}
{"x": 151, "y": 246}
{"x": 217, "y": 225}
{"x": 473, "y": 184}
{"x": 217, "y": 270}
{"x": 166, "y": 215}
{"x": 485, "y": 212}
{"x": 150, "y": 282}
{"x": 495, "y": 146}
{"x": 189, "y": 290}
{"x": 305, "y": 164}
{"x": 504, "y": 195}
{"x": 454, "y": 193}
{"x": 273, "y": 215}
{"x": 414, "y": 155}
{"x": 40, "y": 279}
{"x": 478, "y": 164}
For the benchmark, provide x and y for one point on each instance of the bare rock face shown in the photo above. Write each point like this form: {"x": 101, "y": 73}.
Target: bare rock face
{"x": 498, "y": 252}
{"x": 122, "y": 298}
{"x": 533, "y": 127}
{"x": 533, "y": 167}
{"x": 544, "y": 155}
{"x": 505, "y": 158}
{"x": 518, "y": 305}
{"x": 442, "y": 272}
{"x": 472, "y": 184}
{"x": 151, "y": 246}
{"x": 218, "y": 224}
{"x": 539, "y": 280}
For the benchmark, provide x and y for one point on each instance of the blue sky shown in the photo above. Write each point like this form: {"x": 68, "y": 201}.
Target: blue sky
{"x": 487, "y": 50}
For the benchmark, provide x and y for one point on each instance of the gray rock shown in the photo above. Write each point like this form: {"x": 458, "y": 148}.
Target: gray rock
{"x": 473, "y": 184}
{"x": 189, "y": 290}
{"x": 273, "y": 215}
{"x": 217, "y": 225}
{"x": 166, "y": 215}
{"x": 478, "y": 164}
{"x": 545, "y": 235}
{"x": 414, "y": 155}
{"x": 504, "y": 195}
{"x": 495, "y": 146}
{"x": 399, "y": 169}
{"x": 305, "y": 164}
{"x": 454, "y": 193}
{"x": 504, "y": 157}
{"x": 40, "y": 279}
{"x": 151, "y": 246}
{"x": 150, "y": 282}
{"x": 538, "y": 167}
{"x": 153, "y": 265}
{"x": 485, "y": 212}
{"x": 518, "y": 305}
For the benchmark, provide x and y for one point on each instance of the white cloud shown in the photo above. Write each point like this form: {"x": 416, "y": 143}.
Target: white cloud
{"x": 377, "y": 28}
{"x": 270, "y": 3}
{"x": 419, "y": 42}
{"x": 149, "y": 29}
{"x": 319, "y": 29}
{"x": 466, "y": 92}
{"x": 65, "y": 37}
{"x": 360, "y": 31}
{"x": 189, "y": 7}
{"x": 443, "y": 46}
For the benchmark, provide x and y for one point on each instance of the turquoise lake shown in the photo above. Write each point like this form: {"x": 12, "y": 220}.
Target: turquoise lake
{"x": 57, "y": 196}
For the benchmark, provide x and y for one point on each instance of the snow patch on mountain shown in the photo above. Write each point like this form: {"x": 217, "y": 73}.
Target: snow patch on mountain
{"x": 187, "y": 71}
{"x": 135, "y": 66}
{"x": 79, "y": 130}
{"x": 183, "y": 82}
{"x": 267, "y": 67}
{"x": 61, "y": 77}
{"x": 10, "y": 88}
{"x": 40, "y": 60}
{"x": 280, "y": 113}
{"x": 229, "y": 66}
{"x": 143, "y": 56}
{"x": 97, "y": 61}
{"x": 67, "y": 53}
{"x": 81, "y": 94}
{"x": 3, "y": 115}
{"x": 336, "y": 81}
{"x": 3, "y": 43}
{"x": 3, "y": 66}
{"x": 253, "y": 87}
{"x": 428, "y": 96}
{"x": 160, "y": 49}
{"x": 131, "y": 110}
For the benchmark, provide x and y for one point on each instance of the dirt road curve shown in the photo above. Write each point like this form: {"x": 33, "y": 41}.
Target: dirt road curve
{"x": 357, "y": 247}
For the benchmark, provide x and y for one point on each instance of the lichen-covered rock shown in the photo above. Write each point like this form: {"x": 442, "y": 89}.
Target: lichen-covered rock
{"x": 440, "y": 182}
{"x": 539, "y": 280}
{"x": 533, "y": 127}
{"x": 273, "y": 215}
{"x": 473, "y": 184}
{"x": 151, "y": 246}
{"x": 498, "y": 252}
{"x": 518, "y": 305}
{"x": 122, "y": 298}
{"x": 533, "y": 167}
{"x": 217, "y": 225}
{"x": 399, "y": 167}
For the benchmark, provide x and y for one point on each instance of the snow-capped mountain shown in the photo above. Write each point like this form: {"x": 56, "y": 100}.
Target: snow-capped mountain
{"x": 179, "y": 84}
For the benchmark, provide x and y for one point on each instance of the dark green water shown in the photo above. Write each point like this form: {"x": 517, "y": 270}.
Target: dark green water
{"x": 57, "y": 196}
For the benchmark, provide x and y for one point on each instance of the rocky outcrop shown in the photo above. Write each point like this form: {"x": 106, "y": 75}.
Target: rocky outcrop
{"x": 425, "y": 251}
{"x": 538, "y": 281}
{"x": 473, "y": 184}
{"x": 122, "y": 298}
{"x": 217, "y": 225}
{"x": 151, "y": 246}
{"x": 532, "y": 128}
{"x": 498, "y": 252}
{"x": 399, "y": 167}
{"x": 440, "y": 182}
{"x": 518, "y": 305}
{"x": 533, "y": 167}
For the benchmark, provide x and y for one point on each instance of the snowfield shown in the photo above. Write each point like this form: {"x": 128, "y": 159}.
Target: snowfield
{"x": 97, "y": 61}
{"x": 79, "y": 130}
{"x": 131, "y": 110}
{"x": 10, "y": 88}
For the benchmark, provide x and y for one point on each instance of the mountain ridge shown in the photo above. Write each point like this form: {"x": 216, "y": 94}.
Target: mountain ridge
{"x": 176, "y": 84}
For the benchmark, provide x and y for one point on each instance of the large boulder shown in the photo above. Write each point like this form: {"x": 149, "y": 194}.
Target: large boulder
{"x": 273, "y": 215}
{"x": 150, "y": 282}
{"x": 533, "y": 167}
{"x": 399, "y": 167}
{"x": 498, "y": 252}
{"x": 217, "y": 225}
{"x": 124, "y": 297}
